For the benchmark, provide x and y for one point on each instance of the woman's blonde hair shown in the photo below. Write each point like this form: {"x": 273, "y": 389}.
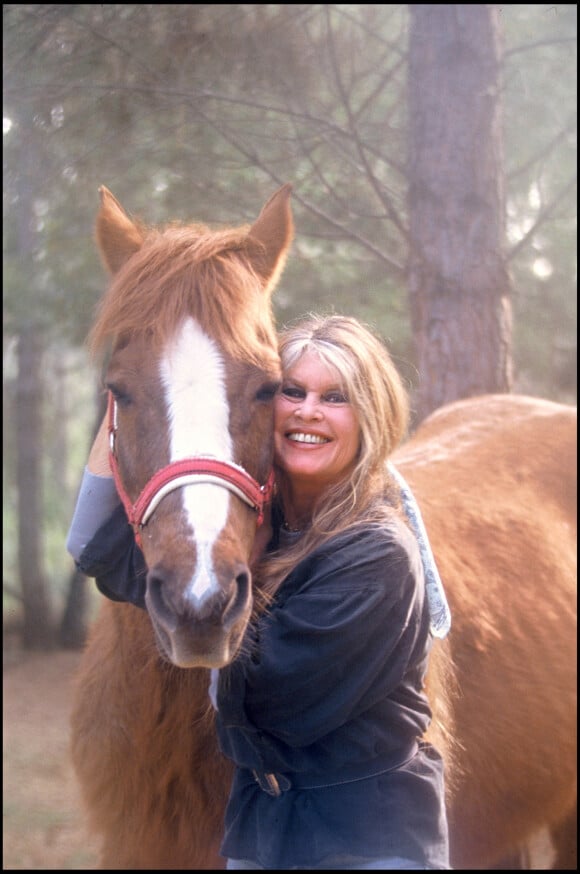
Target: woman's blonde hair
{"x": 375, "y": 390}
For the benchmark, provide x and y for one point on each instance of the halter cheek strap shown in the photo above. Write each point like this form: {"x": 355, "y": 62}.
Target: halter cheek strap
{"x": 186, "y": 471}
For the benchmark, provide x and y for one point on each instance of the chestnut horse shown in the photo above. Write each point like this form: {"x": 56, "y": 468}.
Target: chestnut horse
{"x": 192, "y": 372}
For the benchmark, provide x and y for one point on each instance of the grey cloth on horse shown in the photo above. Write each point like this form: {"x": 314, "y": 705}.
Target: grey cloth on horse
{"x": 95, "y": 503}
{"x": 438, "y": 606}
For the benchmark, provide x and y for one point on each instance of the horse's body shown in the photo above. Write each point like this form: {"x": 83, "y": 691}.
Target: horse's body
{"x": 495, "y": 478}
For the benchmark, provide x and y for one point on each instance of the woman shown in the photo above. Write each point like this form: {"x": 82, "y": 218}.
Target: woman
{"x": 324, "y": 712}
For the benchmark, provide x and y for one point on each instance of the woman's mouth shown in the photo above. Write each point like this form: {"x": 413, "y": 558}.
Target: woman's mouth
{"x": 301, "y": 437}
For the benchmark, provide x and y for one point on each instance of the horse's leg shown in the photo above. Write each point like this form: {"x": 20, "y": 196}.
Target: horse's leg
{"x": 515, "y": 861}
{"x": 537, "y": 854}
{"x": 550, "y": 848}
{"x": 565, "y": 842}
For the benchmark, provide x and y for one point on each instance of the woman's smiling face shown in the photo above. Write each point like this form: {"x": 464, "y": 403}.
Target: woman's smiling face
{"x": 316, "y": 429}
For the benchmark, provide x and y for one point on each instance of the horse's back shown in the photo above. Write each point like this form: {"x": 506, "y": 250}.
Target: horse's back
{"x": 506, "y": 437}
{"x": 504, "y": 466}
{"x": 495, "y": 477}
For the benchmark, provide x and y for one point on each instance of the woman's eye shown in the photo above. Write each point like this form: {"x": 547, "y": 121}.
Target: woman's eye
{"x": 335, "y": 397}
{"x": 295, "y": 394}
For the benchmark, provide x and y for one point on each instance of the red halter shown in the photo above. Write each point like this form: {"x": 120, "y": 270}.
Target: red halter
{"x": 186, "y": 471}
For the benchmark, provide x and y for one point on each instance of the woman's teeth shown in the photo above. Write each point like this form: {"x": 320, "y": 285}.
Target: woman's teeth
{"x": 298, "y": 437}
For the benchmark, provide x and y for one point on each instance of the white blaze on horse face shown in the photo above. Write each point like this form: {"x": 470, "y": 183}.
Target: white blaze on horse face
{"x": 192, "y": 371}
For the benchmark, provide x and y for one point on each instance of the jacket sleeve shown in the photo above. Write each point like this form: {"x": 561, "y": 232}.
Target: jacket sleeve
{"x": 96, "y": 500}
{"x": 113, "y": 558}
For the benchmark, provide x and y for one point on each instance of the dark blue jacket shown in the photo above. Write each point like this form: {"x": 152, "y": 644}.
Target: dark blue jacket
{"x": 324, "y": 712}
{"x": 113, "y": 558}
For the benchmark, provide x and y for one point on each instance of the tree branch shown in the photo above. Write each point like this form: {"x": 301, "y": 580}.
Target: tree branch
{"x": 545, "y": 150}
{"x": 542, "y": 218}
{"x": 377, "y": 188}
{"x": 528, "y": 47}
{"x": 344, "y": 231}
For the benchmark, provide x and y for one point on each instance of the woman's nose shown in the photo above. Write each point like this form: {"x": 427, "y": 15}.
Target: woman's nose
{"x": 310, "y": 407}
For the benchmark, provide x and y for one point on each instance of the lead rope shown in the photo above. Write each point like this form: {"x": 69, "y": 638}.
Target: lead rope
{"x": 438, "y": 605}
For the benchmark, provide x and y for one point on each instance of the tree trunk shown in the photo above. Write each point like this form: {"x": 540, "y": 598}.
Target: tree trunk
{"x": 38, "y": 627}
{"x": 459, "y": 285}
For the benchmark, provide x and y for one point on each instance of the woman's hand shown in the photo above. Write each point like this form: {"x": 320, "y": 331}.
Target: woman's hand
{"x": 98, "y": 462}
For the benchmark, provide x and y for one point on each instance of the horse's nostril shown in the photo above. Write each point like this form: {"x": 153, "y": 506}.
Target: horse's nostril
{"x": 240, "y": 598}
{"x": 156, "y": 600}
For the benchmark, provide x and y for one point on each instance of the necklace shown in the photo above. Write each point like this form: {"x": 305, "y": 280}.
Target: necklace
{"x": 290, "y": 529}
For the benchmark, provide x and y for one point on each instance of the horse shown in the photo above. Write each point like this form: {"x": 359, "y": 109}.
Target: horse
{"x": 192, "y": 371}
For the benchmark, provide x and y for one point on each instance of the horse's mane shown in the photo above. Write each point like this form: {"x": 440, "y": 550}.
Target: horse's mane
{"x": 189, "y": 270}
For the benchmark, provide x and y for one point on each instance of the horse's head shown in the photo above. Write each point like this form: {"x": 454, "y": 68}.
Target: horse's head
{"x": 192, "y": 373}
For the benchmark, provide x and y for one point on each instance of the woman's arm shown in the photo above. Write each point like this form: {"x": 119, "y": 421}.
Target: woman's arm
{"x": 96, "y": 502}
{"x": 100, "y": 539}
{"x": 97, "y": 498}
{"x": 98, "y": 462}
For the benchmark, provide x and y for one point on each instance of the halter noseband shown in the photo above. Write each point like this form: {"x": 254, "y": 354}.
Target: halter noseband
{"x": 186, "y": 471}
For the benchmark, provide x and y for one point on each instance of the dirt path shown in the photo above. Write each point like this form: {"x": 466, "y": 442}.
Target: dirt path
{"x": 43, "y": 826}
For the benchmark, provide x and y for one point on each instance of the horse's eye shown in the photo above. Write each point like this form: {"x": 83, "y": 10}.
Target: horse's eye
{"x": 120, "y": 394}
{"x": 267, "y": 391}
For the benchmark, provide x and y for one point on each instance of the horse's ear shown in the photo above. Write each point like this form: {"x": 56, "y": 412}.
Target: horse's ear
{"x": 118, "y": 237}
{"x": 270, "y": 237}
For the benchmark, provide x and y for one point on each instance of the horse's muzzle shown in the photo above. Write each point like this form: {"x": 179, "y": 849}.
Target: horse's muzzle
{"x": 199, "y": 632}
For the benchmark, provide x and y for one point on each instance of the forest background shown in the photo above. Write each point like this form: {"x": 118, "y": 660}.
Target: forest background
{"x": 201, "y": 112}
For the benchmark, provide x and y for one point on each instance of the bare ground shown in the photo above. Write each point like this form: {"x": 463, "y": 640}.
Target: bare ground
{"x": 43, "y": 823}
